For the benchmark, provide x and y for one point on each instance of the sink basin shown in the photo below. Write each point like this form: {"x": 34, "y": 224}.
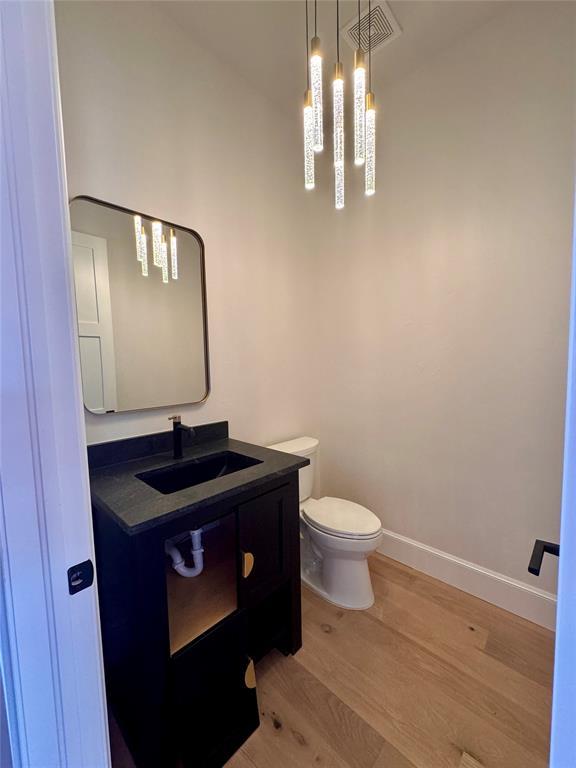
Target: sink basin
{"x": 176, "y": 477}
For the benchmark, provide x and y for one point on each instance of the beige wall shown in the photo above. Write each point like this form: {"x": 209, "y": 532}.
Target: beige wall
{"x": 443, "y": 315}
{"x": 155, "y": 123}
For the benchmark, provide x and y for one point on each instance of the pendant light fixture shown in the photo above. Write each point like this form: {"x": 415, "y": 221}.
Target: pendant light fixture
{"x": 316, "y": 80}
{"x": 138, "y": 235}
{"x": 144, "y": 251}
{"x": 359, "y": 100}
{"x": 338, "y": 116}
{"x": 370, "y": 169}
{"x": 308, "y": 115}
{"x": 164, "y": 259}
{"x": 363, "y": 102}
{"x": 157, "y": 243}
{"x": 141, "y": 244}
{"x": 174, "y": 254}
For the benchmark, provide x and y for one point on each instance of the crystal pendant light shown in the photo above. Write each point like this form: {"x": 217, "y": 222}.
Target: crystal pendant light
{"x": 144, "y": 252}
{"x": 370, "y": 169}
{"x": 338, "y": 114}
{"x": 164, "y": 258}
{"x": 174, "y": 254}
{"x": 316, "y": 84}
{"x": 138, "y": 236}
{"x": 308, "y": 141}
{"x": 157, "y": 243}
{"x": 359, "y": 100}
{"x": 141, "y": 244}
{"x": 308, "y": 120}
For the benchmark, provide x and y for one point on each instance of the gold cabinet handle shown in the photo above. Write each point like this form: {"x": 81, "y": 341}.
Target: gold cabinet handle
{"x": 250, "y": 675}
{"x": 247, "y": 564}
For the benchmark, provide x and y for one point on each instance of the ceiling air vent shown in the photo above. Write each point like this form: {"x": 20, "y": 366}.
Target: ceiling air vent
{"x": 385, "y": 28}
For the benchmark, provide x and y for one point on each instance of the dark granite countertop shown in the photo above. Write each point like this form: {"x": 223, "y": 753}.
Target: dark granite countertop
{"x": 139, "y": 507}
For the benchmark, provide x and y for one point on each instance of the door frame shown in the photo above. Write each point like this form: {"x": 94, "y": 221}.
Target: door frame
{"x": 50, "y": 647}
{"x": 564, "y": 693}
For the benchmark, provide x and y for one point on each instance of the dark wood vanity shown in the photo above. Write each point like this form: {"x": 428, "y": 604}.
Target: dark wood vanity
{"x": 179, "y": 652}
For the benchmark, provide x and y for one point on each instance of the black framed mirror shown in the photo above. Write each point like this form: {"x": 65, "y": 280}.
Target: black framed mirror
{"x": 141, "y": 308}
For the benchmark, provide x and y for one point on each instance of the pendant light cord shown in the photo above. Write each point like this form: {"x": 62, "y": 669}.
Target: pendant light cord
{"x": 315, "y": 18}
{"x": 338, "y": 31}
{"x": 359, "y": 45}
{"x": 369, "y": 45}
{"x": 307, "y": 51}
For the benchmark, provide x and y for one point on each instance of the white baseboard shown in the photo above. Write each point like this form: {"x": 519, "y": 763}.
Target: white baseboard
{"x": 515, "y": 596}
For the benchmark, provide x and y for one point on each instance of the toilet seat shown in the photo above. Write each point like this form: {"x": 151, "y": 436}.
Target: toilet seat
{"x": 341, "y": 518}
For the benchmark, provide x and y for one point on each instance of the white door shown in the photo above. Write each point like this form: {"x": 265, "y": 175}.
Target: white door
{"x": 94, "y": 310}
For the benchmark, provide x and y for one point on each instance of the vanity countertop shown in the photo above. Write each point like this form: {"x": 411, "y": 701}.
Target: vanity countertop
{"x": 138, "y": 507}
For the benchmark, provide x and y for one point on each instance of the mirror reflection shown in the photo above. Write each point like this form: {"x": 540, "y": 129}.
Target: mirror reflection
{"x": 140, "y": 301}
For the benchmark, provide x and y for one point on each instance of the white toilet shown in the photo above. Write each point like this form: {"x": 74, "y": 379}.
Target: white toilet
{"x": 336, "y": 538}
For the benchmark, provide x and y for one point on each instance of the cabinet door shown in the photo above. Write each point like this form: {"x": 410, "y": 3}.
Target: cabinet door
{"x": 263, "y": 526}
{"x": 214, "y": 696}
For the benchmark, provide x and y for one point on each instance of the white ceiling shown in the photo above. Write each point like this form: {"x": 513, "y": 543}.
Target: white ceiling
{"x": 264, "y": 40}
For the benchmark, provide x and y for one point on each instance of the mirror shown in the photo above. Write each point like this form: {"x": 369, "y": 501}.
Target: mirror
{"x": 141, "y": 309}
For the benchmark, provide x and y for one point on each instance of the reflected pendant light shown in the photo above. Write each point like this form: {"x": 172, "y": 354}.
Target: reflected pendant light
{"x": 370, "y": 168}
{"x": 141, "y": 244}
{"x": 157, "y": 243}
{"x": 164, "y": 258}
{"x": 316, "y": 81}
{"x": 174, "y": 255}
{"x": 359, "y": 100}
{"x": 338, "y": 118}
{"x": 138, "y": 236}
{"x": 308, "y": 124}
{"x": 144, "y": 252}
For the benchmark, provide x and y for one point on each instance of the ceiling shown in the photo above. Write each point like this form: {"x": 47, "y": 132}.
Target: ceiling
{"x": 264, "y": 40}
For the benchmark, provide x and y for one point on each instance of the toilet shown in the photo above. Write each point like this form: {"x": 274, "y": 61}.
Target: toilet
{"x": 336, "y": 537}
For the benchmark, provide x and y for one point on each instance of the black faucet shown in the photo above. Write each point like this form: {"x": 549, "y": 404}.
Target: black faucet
{"x": 177, "y": 430}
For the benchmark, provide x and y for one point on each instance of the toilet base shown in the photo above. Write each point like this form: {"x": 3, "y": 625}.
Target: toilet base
{"x": 321, "y": 592}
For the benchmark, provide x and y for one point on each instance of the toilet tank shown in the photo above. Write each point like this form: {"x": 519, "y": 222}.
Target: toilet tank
{"x": 302, "y": 446}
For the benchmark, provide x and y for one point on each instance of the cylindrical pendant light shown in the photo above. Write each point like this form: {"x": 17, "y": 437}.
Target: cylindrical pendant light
{"x": 308, "y": 141}
{"x": 156, "y": 243}
{"x": 164, "y": 258}
{"x": 174, "y": 254}
{"x": 338, "y": 113}
{"x": 308, "y": 120}
{"x": 144, "y": 252}
{"x": 359, "y": 100}
{"x": 370, "y": 169}
{"x": 138, "y": 235}
{"x": 316, "y": 84}
{"x": 338, "y": 96}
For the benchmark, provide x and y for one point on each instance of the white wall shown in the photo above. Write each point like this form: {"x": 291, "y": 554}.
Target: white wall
{"x": 155, "y": 123}
{"x": 443, "y": 319}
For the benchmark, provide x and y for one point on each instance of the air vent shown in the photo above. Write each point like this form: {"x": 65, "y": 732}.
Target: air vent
{"x": 385, "y": 28}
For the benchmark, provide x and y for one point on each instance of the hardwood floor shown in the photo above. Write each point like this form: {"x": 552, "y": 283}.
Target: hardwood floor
{"x": 429, "y": 677}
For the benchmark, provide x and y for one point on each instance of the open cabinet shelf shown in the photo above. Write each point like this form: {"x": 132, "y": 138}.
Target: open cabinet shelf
{"x": 198, "y": 603}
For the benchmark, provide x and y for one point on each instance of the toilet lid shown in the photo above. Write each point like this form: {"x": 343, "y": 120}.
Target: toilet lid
{"x": 340, "y": 517}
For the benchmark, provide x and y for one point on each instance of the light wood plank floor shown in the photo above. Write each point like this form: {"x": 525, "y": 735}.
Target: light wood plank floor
{"x": 429, "y": 677}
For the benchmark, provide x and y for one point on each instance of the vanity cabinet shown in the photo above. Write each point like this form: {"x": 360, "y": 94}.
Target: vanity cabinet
{"x": 180, "y": 652}
{"x": 214, "y": 695}
{"x": 265, "y": 538}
